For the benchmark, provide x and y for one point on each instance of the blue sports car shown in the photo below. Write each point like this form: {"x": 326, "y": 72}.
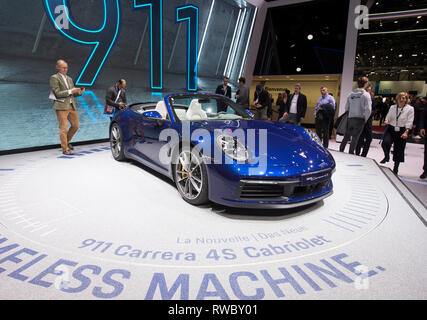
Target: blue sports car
{"x": 214, "y": 150}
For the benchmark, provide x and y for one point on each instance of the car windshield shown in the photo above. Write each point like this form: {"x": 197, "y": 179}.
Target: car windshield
{"x": 206, "y": 108}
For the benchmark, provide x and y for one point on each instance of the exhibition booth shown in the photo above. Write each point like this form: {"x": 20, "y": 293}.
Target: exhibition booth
{"x": 109, "y": 222}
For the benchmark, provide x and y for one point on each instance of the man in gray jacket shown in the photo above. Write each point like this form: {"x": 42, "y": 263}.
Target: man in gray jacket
{"x": 359, "y": 106}
{"x": 242, "y": 95}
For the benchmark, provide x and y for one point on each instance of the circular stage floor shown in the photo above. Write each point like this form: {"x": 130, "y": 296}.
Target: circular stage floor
{"x": 88, "y": 227}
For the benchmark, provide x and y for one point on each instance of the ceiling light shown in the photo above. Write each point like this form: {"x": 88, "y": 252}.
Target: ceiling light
{"x": 310, "y": 37}
{"x": 373, "y": 57}
{"x": 400, "y": 55}
{"x": 298, "y": 69}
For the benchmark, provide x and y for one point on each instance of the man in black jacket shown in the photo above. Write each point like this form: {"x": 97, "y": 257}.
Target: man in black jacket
{"x": 423, "y": 125}
{"x": 224, "y": 90}
{"x": 261, "y": 100}
{"x": 294, "y": 110}
{"x": 116, "y": 95}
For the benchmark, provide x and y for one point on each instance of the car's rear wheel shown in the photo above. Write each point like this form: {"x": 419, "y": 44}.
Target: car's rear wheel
{"x": 191, "y": 177}
{"x": 116, "y": 142}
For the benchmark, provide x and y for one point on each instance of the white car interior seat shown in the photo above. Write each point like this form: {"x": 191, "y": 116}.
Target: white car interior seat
{"x": 195, "y": 111}
{"x": 181, "y": 114}
{"x": 161, "y": 108}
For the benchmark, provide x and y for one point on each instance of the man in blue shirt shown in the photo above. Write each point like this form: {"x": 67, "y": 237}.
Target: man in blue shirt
{"x": 323, "y": 113}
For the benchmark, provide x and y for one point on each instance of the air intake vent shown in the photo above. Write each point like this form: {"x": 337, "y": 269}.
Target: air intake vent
{"x": 277, "y": 190}
{"x": 261, "y": 191}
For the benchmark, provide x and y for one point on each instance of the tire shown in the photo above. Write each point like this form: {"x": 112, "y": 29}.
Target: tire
{"x": 191, "y": 177}
{"x": 116, "y": 142}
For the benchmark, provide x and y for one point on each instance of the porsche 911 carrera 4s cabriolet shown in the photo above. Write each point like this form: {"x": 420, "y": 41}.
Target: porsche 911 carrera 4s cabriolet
{"x": 214, "y": 150}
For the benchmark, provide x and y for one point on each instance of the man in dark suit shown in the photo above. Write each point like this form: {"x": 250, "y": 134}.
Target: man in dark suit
{"x": 423, "y": 125}
{"x": 224, "y": 90}
{"x": 295, "y": 108}
{"x": 261, "y": 100}
{"x": 116, "y": 95}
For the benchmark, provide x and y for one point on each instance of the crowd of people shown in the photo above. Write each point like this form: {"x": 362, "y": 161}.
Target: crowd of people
{"x": 401, "y": 114}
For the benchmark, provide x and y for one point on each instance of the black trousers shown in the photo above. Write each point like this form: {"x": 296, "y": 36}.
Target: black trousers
{"x": 425, "y": 154}
{"x": 322, "y": 129}
{"x": 392, "y": 137}
{"x": 353, "y": 131}
{"x": 365, "y": 139}
{"x": 331, "y": 124}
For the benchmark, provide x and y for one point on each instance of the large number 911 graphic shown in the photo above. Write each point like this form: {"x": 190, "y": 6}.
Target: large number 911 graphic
{"x": 103, "y": 38}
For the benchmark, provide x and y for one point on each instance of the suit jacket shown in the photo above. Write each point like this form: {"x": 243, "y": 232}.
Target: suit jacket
{"x": 423, "y": 120}
{"x": 60, "y": 90}
{"x": 263, "y": 98}
{"x": 220, "y": 90}
{"x": 243, "y": 98}
{"x": 111, "y": 96}
{"x": 301, "y": 106}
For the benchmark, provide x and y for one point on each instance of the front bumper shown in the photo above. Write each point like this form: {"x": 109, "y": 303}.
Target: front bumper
{"x": 271, "y": 192}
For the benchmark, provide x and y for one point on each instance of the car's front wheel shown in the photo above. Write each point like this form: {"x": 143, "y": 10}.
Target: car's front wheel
{"x": 191, "y": 177}
{"x": 116, "y": 142}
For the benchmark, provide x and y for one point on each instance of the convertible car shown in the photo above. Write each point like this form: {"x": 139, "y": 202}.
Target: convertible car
{"x": 214, "y": 150}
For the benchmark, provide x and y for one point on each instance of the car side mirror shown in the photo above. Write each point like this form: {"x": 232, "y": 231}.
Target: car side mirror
{"x": 152, "y": 115}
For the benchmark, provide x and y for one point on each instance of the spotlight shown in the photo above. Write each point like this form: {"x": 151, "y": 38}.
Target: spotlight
{"x": 298, "y": 69}
{"x": 310, "y": 37}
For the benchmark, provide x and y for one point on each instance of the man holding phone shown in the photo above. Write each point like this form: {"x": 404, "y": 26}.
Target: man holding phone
{"x": 116, "y": 96}
{"x": 64, "y": 93}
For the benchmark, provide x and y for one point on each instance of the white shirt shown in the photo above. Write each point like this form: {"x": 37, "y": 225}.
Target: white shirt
{"x": 405, "y": 116}
{"x": 293, "y": 108}
{"x": 66, "y": 83}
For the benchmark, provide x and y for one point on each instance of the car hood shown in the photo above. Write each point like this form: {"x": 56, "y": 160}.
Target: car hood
{"x": 287, "y": 145}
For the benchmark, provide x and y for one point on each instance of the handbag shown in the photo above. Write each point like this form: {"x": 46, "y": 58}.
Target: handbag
{"x": 110, "y": 109}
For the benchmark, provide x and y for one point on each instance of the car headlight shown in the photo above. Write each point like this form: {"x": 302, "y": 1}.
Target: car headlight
{"x": 232, "y": 148}
{"x": 313, "y": 136}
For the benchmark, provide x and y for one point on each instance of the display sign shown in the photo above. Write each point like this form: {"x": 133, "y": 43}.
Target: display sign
{"x": 103, "y": 39}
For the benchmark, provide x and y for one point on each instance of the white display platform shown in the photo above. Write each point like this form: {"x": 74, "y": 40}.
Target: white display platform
{"x": 89, "y": 227}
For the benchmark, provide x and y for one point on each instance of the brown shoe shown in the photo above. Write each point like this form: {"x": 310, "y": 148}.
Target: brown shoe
{"x": 67, "y": 153}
